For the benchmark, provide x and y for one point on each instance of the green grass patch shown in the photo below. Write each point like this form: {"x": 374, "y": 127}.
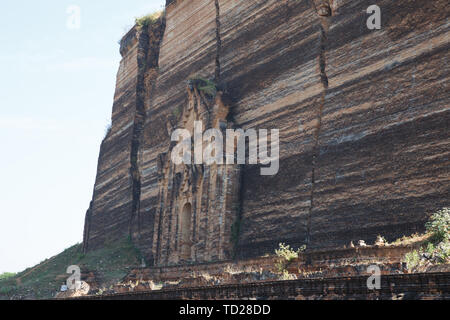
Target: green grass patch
{"x": 111, "y": 263}
{"x": 148, "y": 20}
{"x": 6, "y": 275}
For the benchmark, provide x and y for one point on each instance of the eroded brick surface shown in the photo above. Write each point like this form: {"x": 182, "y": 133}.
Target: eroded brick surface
{"x": 363, "y": 118}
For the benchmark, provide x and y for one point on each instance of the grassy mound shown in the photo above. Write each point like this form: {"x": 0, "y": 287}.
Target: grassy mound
{"x": 110, "y": 263}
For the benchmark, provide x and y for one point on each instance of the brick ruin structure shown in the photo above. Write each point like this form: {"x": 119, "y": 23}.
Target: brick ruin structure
{"x": 198, "y": 199}
{"x": 363, "y": 119}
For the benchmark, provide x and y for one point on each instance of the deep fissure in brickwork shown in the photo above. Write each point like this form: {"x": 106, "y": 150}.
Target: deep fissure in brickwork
{"x": 219, "y": 42}
{"x": 323, "y": 10}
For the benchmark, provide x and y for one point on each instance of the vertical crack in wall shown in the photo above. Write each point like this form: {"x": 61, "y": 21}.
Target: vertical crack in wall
{"x": 139, "y": 119}
{"x": 149, "y": 41}
{"x": 218, "y": 43}
{"x": 323, "y": 9}
{"x": 236, "y": 227}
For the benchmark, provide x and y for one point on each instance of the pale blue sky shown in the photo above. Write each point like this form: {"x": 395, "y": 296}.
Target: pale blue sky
{"x": 56, "y": 91}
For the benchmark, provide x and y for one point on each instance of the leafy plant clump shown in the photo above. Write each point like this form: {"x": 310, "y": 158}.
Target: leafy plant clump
{"x": 436, "y": 249}
{"x": 286, "y": 255}
{"x": 208, "y": 87}
{"x": 439, "y": 225}
{"x": 412, "y": 259}
{"x": 149, "y": 19}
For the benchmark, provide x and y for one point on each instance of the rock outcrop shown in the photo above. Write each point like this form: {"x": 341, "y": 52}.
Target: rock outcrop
{"x": 363, "y": 119}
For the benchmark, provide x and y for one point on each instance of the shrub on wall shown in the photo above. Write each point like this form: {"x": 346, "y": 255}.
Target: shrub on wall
{"x": 147, "y": 20}
{"x": 439, "y": 225}
{"x": 436, "y": 250}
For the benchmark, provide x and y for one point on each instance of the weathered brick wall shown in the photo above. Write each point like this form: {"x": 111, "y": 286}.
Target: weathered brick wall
{"x": 270, "y": 64}
{"x": 393, "y": 287}
{"x": 383, "y": 163}
{"x": 342, "y": 262}
{"x": 363, "y": 118}
{"x": 113, "y": 213}
{"x": 188, "y": 49}
{"x": 112, "y": 202}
